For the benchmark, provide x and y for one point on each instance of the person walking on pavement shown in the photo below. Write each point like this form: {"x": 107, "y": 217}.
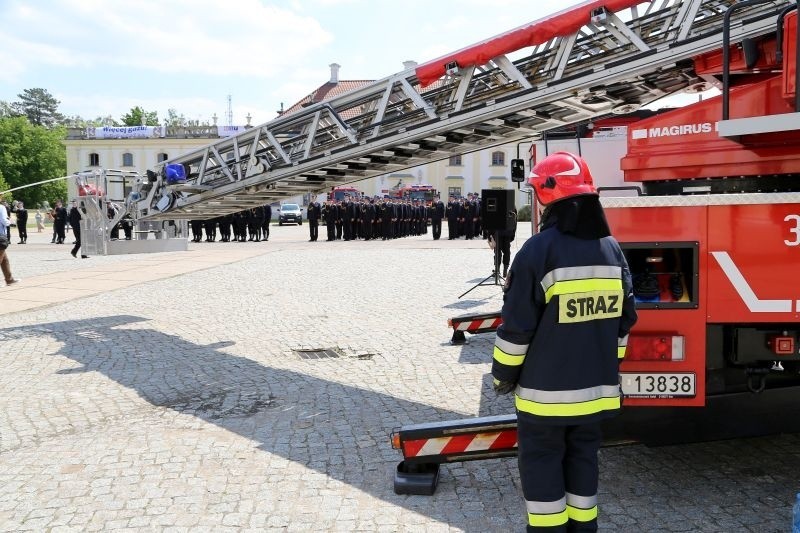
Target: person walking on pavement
{"x": 75, "y": 222}
{"x": 5, "y": 265}
{"x": 59, "y": 222}
{"x": 313, "y": 213}
{"x": 567, "y": 309}
{"x": 39, "y": 221}
{"x": 22, "y": 222}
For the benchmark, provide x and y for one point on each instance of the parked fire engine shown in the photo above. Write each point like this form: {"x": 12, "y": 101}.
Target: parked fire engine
{"x": 713, "y": 239}
{"x": 338, "y": 194}
{"x": 424, "y": 193}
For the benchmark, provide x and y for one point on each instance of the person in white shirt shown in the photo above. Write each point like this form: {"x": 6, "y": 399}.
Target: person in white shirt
{"x": 5, "y": 266}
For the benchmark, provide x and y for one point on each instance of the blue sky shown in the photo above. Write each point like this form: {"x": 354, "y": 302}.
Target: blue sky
{"x": 102, "y": 57}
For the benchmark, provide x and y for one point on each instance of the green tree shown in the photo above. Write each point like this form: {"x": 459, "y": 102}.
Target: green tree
{"x": 39, "y": 106}
{"x": 29, "y": 154}
{"x": 174, "y": 119}
{"x": 9, "y": 197}
{"x": 139, "y": 117}
{"x": 7, "y": 110}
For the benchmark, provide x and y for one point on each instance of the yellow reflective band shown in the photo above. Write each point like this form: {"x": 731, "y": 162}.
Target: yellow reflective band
{"x": 581, "y": 515}
{"x": 582, "y": 285}
{"x": 567, "y": 409}
{"x": 621, "y": 352}
{"x": 507, "y": 359}
{"x": 548, "y": 520}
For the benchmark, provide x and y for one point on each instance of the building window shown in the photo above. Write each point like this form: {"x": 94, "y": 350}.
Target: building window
{"x": 127, "y": 159}
{"x": 454, "y": 191}
{"x": 94, "y": 160}
{"x": 498, "y": 158}
{"x": 162, "y": 157}
{"x": 455, "y": 161}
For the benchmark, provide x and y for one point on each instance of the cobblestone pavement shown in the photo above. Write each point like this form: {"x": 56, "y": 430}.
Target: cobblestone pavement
{"x": 180, "y": 405}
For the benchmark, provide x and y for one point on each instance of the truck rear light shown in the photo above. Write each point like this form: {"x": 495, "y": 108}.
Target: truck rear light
{"x": 654, "y": 348}
{"x": 781, "y": 344}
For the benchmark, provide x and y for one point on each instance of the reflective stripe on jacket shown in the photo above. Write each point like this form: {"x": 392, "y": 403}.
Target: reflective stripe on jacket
{"x": 567, "y": 311}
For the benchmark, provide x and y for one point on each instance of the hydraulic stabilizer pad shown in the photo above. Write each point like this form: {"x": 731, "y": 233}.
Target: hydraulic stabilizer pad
{"x": 418, "y": 479}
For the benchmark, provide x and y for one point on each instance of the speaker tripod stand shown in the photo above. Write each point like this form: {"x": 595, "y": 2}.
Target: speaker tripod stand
{"x": 495, "y": 273}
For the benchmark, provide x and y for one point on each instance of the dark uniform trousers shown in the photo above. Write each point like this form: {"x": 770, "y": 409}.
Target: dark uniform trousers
{"x": 555, "y": 460}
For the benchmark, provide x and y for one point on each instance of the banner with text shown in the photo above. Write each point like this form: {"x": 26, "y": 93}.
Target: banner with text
{"x": 125, "y": 132}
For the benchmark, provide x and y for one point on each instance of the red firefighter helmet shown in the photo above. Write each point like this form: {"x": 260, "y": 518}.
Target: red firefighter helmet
{"x": 561, "y": 175}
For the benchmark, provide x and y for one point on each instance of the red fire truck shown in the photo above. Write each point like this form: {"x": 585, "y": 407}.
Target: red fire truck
{"x": 425, "y": 193}
{"x": 339, "y": 193}
{"x": 713, "y": 242}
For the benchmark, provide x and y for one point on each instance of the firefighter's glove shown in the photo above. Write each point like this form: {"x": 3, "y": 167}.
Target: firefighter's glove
{"x": 503, "y": 387}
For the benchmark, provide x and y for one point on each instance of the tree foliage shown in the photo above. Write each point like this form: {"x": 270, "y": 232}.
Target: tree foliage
{"x": 7, "y": 110}
{"x": 39, "y": 106}
{"x": 29, "y": 154}
{"x": 139, "y": 117}
{"x": 174, "y": 119}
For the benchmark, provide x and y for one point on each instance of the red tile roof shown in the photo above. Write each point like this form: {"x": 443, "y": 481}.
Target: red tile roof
{"x": 327, "y": 91}
{"x": 330, "y": 90}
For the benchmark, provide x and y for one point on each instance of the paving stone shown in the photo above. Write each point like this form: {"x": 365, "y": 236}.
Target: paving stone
{"x": 178, "y": 404}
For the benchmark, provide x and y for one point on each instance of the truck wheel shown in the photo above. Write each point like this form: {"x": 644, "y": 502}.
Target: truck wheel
{"x": 280, "y": 223}
{"x": 300, "y": 223}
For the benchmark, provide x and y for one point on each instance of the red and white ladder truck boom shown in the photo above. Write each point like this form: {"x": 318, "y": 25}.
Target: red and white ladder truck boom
{"x": 712, "y": 246}
{"x": 737, "y": 311}
{"x": 597, "y": 58}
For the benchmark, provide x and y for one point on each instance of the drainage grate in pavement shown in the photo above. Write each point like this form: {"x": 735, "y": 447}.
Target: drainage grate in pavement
{"x": 319, "y": 353}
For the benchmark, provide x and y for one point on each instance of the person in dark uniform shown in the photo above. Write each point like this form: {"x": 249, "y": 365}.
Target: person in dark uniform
{"x": 22, "y": 222}
{"x": 394, "y": 211}
{"x": 60, "y": 222}
{"x": 567, "y": 309}
{"x": 452, "y": 213}
{"x": 127, "y": 226}
{"x": 313, "y": 214}
{"x": 347, "y": 218}
{"x": 75, "y": 223}
{"x": 111, "y": 213}
{"x": 210, "y": 227}
{"x": 241, "y": 226}
{"x": 437, "y": 214}
{"x": 197, "y": 230}
{"x": 225, "y": 228}
{"x": 505, "y": 237}
{"x": 367, "y": 218}
{"x": 328, "y": 214}
{"x": 478, "y": 221}
{"x": 267, "y": 220}
{"x": 469, "y": 218}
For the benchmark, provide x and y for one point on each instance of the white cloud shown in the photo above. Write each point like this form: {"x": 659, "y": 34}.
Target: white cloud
{"x": 201, "y": 37}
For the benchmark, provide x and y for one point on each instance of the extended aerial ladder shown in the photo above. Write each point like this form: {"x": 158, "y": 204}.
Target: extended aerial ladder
{"x": 598, "y": 58}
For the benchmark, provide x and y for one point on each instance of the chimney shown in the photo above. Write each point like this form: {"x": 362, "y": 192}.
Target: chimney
{"x": 409, "y": 64}
{"x": 334, "y": 72}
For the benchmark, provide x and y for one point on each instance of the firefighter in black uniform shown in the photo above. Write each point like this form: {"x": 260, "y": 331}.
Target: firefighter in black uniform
{"x": 329, "y": 216}
{"x": 452, "y": 218}
{"x": 437, "y": 213}
{"x": 567, "y": 310}
{"x": 313, "y": 214}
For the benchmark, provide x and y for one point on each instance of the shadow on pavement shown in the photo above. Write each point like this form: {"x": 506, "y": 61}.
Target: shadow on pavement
{"x": 335, "y": 429}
